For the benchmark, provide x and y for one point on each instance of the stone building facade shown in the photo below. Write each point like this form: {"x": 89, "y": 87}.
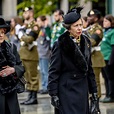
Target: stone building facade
{"x": 8, "y": 7}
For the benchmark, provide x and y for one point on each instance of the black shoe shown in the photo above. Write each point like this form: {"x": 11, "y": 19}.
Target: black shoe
{"x": 40, "y": 91}
{"x": 22, "y": 103}
{"x": 44, "y": 92}
{"x": 101, "y": 100}
{"x": 107, "y": 100}
{"x": 31, "y": 102}
{"x": 29, "y": 97}
{"x": 33, "y": 99}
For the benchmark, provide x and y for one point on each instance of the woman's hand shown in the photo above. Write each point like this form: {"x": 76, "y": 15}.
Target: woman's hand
{"x": 7, "y": 70}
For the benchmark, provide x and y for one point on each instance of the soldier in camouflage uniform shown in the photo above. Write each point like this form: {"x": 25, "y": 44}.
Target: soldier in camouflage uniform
{"x": 96, "y": 34}
{"x": 29, "y": 55}
{"x": 58, "y": 28}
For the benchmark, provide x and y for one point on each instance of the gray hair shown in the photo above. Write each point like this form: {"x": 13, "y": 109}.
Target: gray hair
{"x": 67, "y": 26}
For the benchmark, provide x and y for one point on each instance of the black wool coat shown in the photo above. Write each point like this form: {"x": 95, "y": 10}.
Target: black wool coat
{"x": 9, "y": 102}
{"x": 71, "y": 75}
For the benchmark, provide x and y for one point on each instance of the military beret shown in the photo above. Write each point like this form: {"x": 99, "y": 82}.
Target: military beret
{"x": 27, "y": 9}
{"x": 72, "y": 16}
{"x": 94, "y": 12}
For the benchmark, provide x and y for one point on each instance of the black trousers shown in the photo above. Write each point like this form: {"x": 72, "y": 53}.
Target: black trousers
{"x": 109, "y": 83}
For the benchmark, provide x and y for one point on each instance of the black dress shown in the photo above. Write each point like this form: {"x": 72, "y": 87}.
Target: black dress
{"x": 9, "y": 101}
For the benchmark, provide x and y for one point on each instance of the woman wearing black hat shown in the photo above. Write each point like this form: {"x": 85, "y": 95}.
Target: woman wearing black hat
{"x": 10, "y": 69}
{"x": 71, "y": 76}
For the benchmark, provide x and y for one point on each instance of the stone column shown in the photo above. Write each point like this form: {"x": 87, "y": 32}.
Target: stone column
{"x": 112, "y": 7}
{"x": 87, "y": 7}
{"x": 9, "y": 9}
{"x": 64, "y": 5}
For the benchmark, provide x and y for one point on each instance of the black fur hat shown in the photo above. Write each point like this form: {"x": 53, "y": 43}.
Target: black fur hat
{"x": 3, "y": 24}
{"x": 73, "y": 15}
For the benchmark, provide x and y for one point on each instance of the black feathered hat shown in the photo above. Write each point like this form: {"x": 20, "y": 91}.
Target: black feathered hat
{"x": 3, "y": 24}
{"x": 73, "y": 15}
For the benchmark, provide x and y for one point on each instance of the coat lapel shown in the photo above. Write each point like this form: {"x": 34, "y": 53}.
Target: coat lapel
{"x": 85, "y": 48}
{"x": 79, "y": 58}
{"x": 71, "y": 50}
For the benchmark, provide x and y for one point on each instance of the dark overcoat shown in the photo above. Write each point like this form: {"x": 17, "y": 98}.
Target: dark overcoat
{"x": 9, "y": 102}
{"x": 71, "y": 75}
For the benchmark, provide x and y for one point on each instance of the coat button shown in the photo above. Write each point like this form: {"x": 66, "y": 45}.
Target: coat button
{"x": 85, "y": 74}
{"x": 74, "y": 75}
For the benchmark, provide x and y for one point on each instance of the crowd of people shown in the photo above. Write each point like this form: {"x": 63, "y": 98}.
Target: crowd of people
{"x": 69, "y": 56}
{"x": 101, "y": 36}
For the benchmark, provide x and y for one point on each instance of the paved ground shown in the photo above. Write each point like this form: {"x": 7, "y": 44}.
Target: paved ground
{"x": 44, "y": 106}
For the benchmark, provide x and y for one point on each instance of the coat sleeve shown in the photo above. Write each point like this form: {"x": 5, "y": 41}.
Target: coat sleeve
{"x": 27, "y": 39}
{"x": 54, "y": 70}
{"x": 91, "y": 79}
{"x": 97, "y": 35}
{"x": 91, "y": 76}
{"x": 19, "y": 68}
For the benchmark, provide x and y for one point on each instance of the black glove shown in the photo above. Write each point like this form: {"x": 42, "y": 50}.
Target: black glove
{"x": 94, "y": 96}
{"x": 94, "y": 104}
{"x": 55, "y": 101}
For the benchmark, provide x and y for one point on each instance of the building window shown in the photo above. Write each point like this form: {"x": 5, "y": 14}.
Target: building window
{"x": 0, "y": 7}
{"x": 100, "y": 6}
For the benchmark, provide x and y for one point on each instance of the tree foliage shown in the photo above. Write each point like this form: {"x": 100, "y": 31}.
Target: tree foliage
{"x": 42, "y": 6}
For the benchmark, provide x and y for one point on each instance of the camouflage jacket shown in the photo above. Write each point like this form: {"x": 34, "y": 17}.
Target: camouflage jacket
{"x": 96, "y": 34}
{"x": 95, "y": 29}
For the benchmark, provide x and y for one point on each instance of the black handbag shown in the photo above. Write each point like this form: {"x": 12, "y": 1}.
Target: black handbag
{"x": 94, "y": 106}
{"x": 9, "y": 84}
{"x": 21, "y": 85}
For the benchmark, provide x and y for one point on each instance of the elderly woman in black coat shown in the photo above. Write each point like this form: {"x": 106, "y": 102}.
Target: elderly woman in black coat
{"x": 10, "y": 70}
{"x": 71, "y": 76}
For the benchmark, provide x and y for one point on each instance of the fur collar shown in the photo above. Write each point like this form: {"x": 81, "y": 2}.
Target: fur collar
{"x": 6, "y": 53}
{"x": 71, "y": 50}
